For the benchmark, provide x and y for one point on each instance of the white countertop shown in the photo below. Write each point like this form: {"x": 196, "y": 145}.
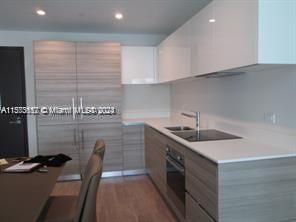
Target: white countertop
{"x": 219, "y": 151}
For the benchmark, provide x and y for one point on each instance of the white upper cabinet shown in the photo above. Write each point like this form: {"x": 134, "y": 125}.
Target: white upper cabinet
{"x": 277, "y": 32}
{"x": 230, "y": 34}
{"x": 164, "y": 61}
{"x": 139, "y": 65}
{"x": 234, "y": 33}
{"x": 202, "y": 50}
{"x": 174, "y": 55}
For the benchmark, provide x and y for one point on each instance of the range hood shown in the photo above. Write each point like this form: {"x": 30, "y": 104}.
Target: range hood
{"x": 242, "y": 70}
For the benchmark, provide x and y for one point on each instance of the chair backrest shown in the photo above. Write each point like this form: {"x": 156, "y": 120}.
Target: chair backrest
{"x": 99, "y": 148}
{"x": 86, "y": 206}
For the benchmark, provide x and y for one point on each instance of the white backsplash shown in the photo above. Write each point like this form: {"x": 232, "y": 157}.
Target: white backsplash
{"x": 146, "y": 101}
{"x": 240, "y": 104}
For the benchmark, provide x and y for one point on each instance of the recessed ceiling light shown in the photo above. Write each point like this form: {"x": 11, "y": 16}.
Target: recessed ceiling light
{"x": 212, "y": 20}
{"x": 119, "y": 16}
{"x": 40, "y": 12}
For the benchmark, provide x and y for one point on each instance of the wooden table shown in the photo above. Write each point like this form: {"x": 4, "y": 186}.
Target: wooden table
{"x": 23, "y": 195}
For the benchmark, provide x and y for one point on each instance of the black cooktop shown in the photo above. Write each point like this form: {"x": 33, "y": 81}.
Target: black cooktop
{"x": 205, "y": 135}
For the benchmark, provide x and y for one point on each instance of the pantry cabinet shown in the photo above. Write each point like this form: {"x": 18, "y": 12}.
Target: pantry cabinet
{"x": 86, "y": 74}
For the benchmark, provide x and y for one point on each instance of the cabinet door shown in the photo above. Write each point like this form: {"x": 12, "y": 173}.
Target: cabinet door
{"x": 165, "y": 60}
{"x": 55, "y": 139}
{"x": 194, "y": 212}
{"x": 99, "y": 89}
{"x": 202, "y": 181}
{"x": 55, "y": 57}
{"x": 55, "y": 93}
{"x": 155, "y": 158}
{"x": 202, "y": 41}
{"x": 133, "y": 147}
{"x": 97, "y": 57}
{"x": 138, "y": 65}
{"x": 111, "y": 133}
{"x": 181, "y": 52}
{"x": 99, "y": 79}
{"x": 235, "y": 34}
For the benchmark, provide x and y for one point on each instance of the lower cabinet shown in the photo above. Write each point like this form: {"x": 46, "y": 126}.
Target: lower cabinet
{"x": 78, "y": 140}
{"x": 259, "y": 190}
{"x": 111, "y": 133}
{"x": 133, "y": 147}
{"x": 200, "y": 179}
{"x": 194, "y": 211}
{"x": 55, "y": 139}
{"x": 155, "y": 159}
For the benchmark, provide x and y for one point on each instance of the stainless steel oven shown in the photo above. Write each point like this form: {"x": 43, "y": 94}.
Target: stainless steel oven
{"x": 175, "y": 176}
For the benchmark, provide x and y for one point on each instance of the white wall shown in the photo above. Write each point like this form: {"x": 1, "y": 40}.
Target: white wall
{"x": 146, "y": 101}
{"x": 25, "y": 39}
{"x": 242, "y": 104}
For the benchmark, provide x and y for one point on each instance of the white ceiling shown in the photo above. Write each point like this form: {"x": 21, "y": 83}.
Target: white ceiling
{"x": 140, "y": 16}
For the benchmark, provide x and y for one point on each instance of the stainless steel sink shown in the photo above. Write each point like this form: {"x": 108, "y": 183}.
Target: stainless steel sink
{"x": 179, "y": 128}
{"x": 205, "y": 135}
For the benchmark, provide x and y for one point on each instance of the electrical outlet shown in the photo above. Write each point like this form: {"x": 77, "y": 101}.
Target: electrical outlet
{"x": 271, "y": 118}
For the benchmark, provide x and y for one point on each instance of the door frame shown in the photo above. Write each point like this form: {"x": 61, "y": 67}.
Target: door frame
{"x": 20, "y": 50}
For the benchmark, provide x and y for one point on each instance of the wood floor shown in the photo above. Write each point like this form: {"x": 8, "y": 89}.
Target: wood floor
{"x": 128, "y": 199}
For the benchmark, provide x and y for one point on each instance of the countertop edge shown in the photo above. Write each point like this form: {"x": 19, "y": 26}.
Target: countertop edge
{"x": 217, "y": 161}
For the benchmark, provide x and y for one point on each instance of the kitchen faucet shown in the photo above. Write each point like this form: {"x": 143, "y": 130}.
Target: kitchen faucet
{"x": 197, "y": 118}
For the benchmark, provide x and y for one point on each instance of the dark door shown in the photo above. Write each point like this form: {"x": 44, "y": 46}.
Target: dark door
{"x": 13, "y": 127}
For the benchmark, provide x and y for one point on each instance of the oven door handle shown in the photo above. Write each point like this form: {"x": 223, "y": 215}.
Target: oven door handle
{"x": 179, "y": 167}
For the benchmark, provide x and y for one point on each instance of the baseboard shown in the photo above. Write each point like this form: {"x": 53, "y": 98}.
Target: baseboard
{"x": 69, "y": 177}
{"x": 108, "y": 174}
{"x": 123, "y": 173}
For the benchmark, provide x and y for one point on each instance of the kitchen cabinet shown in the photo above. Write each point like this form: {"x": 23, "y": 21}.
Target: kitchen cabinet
{"x": 228, "y": 35}
{"x": 234, "y": 34}
{"x": 60, "y": 138}
{"x": 139, "y": 65}
{"x": 224, "y": 36}
{"x": 164, "y": 65}
{"x": 174, "y": 55}
{"x": 112, "y": 134}
{"x": 257, "y": 190}
{"x": 99, "y": 79}
{"x": 56, "y": 57}
{"x": 202, "y": 48}
{"x": 90, "y": 77}
{"x": 133, "y": 148}
{"x": 156, "y": 165}
{"x": 194, "y": 211}
{"x": 55, "y": 93}
{"x": 155, "y": 158}
{"x": 202, "y": 181}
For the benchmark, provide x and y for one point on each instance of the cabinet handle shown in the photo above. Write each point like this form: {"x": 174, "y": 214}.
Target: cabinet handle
{"x": 73, "y": 108}
{"x": 176, "y": 165}
{"x": 75, "y": 136}
{"x": 81, "y": 108}
{"x": 82, "y": 139}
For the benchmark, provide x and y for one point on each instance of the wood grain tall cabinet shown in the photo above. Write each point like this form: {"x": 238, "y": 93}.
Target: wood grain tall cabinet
{"x": 87, "y": 73}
